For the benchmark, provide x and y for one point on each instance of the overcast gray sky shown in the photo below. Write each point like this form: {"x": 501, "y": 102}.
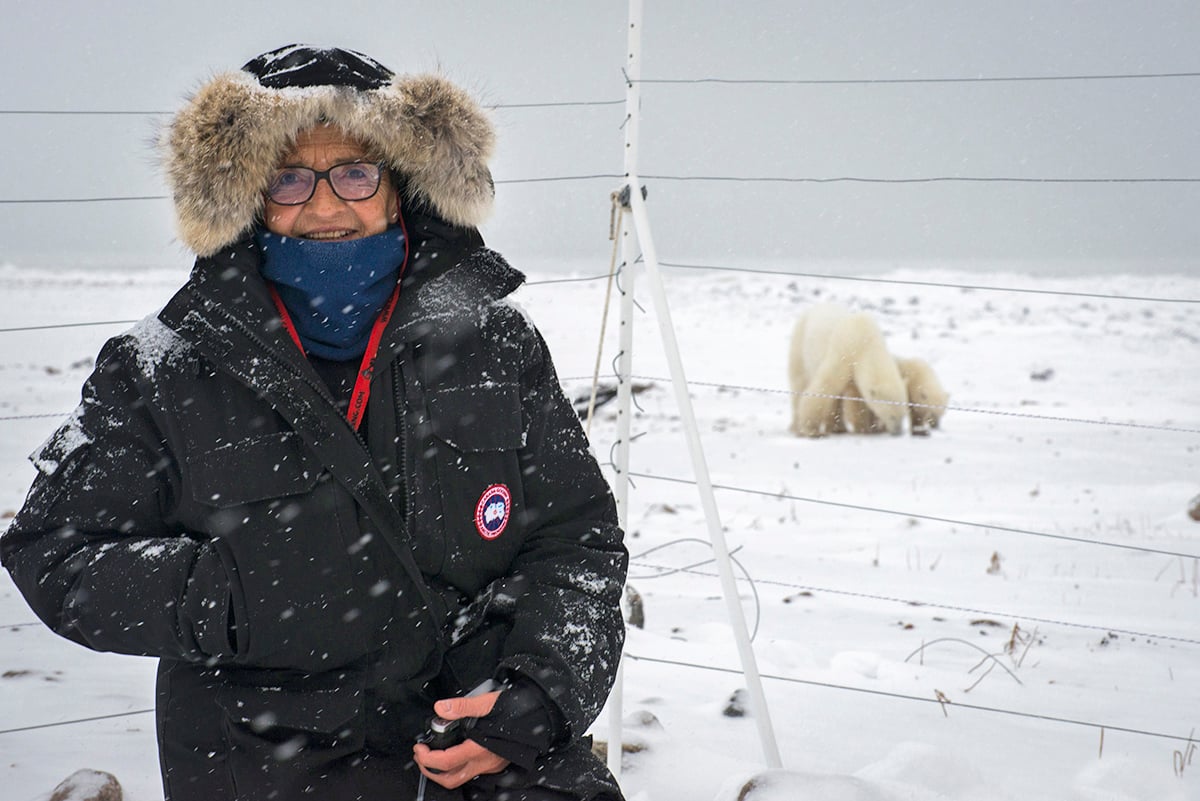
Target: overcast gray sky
{"x": 93, "y": 55}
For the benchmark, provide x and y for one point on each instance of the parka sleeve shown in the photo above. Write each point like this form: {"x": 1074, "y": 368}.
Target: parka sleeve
{"x": 567, "y": 630}
{"x": 91, "y": 549}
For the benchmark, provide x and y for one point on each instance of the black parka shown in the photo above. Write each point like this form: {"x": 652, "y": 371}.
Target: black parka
{"x": 310, "y": 589}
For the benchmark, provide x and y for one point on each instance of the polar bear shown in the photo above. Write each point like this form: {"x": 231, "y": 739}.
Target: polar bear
{"x": 832, "y": 349}
{"x": 926, "y": 397}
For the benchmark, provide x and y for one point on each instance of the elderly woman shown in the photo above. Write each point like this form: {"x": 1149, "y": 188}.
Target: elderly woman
{"x": 334, "y": 486}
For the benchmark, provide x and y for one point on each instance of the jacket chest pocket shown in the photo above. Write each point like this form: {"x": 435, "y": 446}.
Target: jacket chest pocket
{"x": 478, "y": 432}
{"x": 262, "y": 483}
{"x": 255, "y": 469}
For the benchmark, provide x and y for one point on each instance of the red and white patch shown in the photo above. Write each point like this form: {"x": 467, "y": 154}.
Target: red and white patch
{"x": 493, "y": 511}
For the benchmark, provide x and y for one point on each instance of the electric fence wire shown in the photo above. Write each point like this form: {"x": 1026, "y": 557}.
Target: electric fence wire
{"x": 76, "y": 721}
{"x": 940, "y": 699}
{"x": 52, "y": 326}
{"x": 968, "y": 409}
{"x": 34, "y": 112}
{"x": 760, "y": 271}
{"x": 933, "y": 284}
{"x": 784, "y": 496}
{"x": 692, "y": 569}
{"x": 742, "y": 179}
{"x": 976, "y": 79}
{"x": 723, "y": 387}
{"x": 915, "y": 80}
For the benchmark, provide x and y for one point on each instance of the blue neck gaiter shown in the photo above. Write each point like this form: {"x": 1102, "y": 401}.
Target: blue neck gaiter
{"x": 333, "y": 290}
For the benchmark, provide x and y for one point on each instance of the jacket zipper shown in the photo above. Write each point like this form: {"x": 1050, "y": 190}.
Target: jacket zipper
{"x": 402, "y": 442}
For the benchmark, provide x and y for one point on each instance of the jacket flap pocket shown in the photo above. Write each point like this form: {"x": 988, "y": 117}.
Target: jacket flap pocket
{"x": 255, "y": 469}
{"x": 313, "y": 709}
{"x": 482, "y": 417}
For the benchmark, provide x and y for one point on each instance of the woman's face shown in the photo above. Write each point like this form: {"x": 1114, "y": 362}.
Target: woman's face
{"x": 326, "y": 216}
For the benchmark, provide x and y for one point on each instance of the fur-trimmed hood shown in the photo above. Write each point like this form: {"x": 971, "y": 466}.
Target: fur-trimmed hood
{"x": 221, "y": 149}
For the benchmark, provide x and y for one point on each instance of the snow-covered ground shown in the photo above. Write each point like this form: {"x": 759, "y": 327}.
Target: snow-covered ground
{"x": 1007, "y": 609}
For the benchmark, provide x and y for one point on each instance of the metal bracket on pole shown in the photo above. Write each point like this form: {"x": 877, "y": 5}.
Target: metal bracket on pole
{"x": 625, "y": 193}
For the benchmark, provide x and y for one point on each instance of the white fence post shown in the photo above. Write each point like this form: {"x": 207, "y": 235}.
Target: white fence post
{"x": 641, "y": 224}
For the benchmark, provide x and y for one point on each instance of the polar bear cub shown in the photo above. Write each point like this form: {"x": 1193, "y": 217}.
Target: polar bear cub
{"x": 835, "y": 351}
{"x": 927, "y": 400}
{"x": 925, "y": 393}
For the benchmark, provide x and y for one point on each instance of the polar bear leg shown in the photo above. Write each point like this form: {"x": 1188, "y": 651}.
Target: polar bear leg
{"x": 875, "y": 372}
{"x": 818, "y": 408}
{"x": 925, "y": 393}
{"x": 815, "y": 416}
{"x": 797, "y": 374}
{"x": 857, "y": 415}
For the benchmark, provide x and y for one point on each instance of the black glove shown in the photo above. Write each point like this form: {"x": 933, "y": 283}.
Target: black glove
{"x": 523, "y": 725}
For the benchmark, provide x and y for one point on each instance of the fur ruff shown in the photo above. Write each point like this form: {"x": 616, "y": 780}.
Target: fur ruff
{"x": 220, "y": 150}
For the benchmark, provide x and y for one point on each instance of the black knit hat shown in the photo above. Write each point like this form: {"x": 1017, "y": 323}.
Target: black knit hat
{"x": 299, "y": 65}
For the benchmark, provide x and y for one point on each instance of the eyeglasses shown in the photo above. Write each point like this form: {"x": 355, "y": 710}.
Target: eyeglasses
{"x": 352, "y": 180}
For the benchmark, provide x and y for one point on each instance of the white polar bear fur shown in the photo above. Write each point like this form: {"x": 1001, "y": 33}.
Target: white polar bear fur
{"x": 927, "y": 400}
{"x": 833, "y": 351}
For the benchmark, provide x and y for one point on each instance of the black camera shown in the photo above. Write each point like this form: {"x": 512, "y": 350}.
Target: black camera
{"x": 443, "y": 733}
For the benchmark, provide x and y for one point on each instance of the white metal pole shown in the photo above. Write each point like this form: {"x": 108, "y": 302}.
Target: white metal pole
{"x": 625, "y": 376}
{"x": 641, "y": 220}
{"x": 687, "y": 416}
{"x": 621, "y": 482}
{"x": 624, "y": 380}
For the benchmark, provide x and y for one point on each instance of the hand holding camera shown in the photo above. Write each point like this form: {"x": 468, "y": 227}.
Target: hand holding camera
{"x": 449, "y": 731}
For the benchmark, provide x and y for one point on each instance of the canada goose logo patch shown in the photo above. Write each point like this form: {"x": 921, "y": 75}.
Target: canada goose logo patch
{"x": 493, "y": 511}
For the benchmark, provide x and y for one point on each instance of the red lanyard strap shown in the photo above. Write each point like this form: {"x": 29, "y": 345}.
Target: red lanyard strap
{"x": 284, "y": 317}
{"x": 362, "y": 382}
